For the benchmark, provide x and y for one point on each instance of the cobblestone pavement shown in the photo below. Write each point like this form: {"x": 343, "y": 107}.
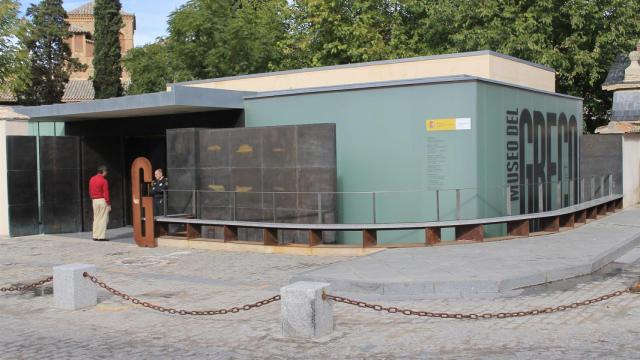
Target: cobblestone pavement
{"x": 32, "y": 328}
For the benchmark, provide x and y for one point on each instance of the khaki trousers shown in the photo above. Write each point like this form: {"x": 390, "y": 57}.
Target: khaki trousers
{"x": 100, "y": 218}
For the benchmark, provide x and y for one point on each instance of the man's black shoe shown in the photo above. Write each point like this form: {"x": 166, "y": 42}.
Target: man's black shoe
{"x": 100, "y": 239}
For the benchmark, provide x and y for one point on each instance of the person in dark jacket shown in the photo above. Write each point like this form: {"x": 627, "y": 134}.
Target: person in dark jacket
{"x": 158, "y": 187}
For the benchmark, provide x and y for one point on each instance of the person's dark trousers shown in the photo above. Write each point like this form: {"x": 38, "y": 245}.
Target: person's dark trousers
{"x": 158, "y": 206}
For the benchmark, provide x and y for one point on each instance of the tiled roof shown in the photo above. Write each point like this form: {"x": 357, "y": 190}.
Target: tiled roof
{"x": 78, "y": 90}
{"x": 616, "y": 71}
{"x": 87, "y": 9}
{"x": 7, "y": 96}
{"x": 76, "y": 29}
{"x": 75, "y": 91}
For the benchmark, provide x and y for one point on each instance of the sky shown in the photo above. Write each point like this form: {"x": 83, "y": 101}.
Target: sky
{"x": 151, "y": 15}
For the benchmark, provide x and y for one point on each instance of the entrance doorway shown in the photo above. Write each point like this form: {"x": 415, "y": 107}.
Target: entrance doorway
{"x": 152, "y": 147}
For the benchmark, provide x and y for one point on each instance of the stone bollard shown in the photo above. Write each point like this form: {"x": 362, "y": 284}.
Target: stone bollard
{"x": 71, "y": 290}
{"x": 305, "y": 314}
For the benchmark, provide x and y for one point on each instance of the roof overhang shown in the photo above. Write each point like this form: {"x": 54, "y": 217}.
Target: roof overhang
{"x": 180, "y": 100}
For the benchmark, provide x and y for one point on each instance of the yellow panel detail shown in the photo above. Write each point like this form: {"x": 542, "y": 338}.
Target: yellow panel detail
{"x": 215, "y": 187}
{"x": 244, "y": 148}
{"x": 441, "y": 124}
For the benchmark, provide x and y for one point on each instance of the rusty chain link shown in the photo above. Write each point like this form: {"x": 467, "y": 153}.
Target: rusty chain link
{"x": 169, "y": 310}
{"x": 501, "y": 315}
{"x": 28, "y": 286}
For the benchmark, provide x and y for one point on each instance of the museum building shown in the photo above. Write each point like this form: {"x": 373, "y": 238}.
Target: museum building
{"x": 445, "y": 137}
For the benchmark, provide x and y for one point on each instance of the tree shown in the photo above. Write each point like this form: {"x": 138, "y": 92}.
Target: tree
{"x": 578, "y": 38}
{"x": 8, "y": 48}
{"x": 213, "y": 38}
{"x": 151, "y": 67}
{"x": 49, "y": 61}
{"x": 324, "y": 32}
{"x": 106, "y": 62}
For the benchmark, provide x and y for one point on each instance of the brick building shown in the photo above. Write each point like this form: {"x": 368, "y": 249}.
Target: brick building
{"x": 81, "y": 25}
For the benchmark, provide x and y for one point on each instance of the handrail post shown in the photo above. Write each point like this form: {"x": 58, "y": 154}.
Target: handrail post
{"x": 540, "y": 198}
{"x": 234, "y": 206}
{"x": 610, "y": 184}
{"x": 593, "y": 187}
{"x": 194, "y": 205}
{"x": 273, "y": 205}
{"x": 457, "y": 204}
{"x": 602, "y": 186}
{"x": 572, "y": 195}
{"x": 582, "y": 186}
{"x": 320, "y": 208}
{"x": 437, "y": 205}
{"x": 164, "y": 203}
{"x": 508, "y": 197}
{"x": 373, "y": 201}
{"x": 559, "y": 194}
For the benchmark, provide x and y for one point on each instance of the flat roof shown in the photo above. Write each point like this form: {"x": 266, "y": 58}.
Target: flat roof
{"x": 183, "y": 99}
{"x": 369, "y": 63}
{"x": 179, "y": 100}
{"x": 399, "y": 83}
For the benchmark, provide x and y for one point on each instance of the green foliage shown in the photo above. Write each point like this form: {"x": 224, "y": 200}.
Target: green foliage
{"x": 150, "y": 67}
{"x": 106, "y": 61}
{"x": 211, "y": 38}
{"x": 48, "y": 61}
{"x": 8, "y": 49}
{"x": 578, "y": 38}
{"x": 339, "y": 32}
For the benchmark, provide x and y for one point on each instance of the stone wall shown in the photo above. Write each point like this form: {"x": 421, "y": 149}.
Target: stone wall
{"x": 631, "y": 169}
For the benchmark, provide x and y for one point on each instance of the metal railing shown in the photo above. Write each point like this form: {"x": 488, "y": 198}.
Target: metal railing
{"x": 394, "y": 206}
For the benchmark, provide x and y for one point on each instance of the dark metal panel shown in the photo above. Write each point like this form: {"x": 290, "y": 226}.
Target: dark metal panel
{"x": 600, "y": 155}
{"x": 214, "y": 148}
{"x": 267, "y": 168}
{"x": 182, "y": 143}
{"x": 279, "y": 147}
{"x": 246, "y": 147}
{"x": 60, "y": 184}
{"x": 107, "y": 151}
{"x": 316, "y": 145}
{"x": 181, "y": 169}
{"x": 22, "y": 181}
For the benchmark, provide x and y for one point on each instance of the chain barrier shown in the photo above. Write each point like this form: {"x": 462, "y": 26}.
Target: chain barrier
{"x": 28, "y": 286}
{"x": 169, "y": 310}
{"x": 635, "y": 289}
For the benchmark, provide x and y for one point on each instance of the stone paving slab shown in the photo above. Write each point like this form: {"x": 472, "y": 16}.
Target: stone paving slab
{"x": 485, "y": 269}
{"x": 32, "y": 328}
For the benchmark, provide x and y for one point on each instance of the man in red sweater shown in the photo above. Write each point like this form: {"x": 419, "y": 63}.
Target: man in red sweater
{"x": 99, "y": 192}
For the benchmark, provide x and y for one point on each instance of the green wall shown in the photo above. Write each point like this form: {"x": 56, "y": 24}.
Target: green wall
{"x": 382, "y": 141}
{"x": 46, "y": 128}
{"x": 493, "y": 103}
{"x": 383, "y": 146}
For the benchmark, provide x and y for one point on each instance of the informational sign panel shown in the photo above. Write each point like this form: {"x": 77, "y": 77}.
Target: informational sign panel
{"x": 449, "y": 124}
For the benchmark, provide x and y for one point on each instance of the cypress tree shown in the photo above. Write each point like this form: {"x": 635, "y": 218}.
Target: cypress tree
{"x": 50, "y": 61}
{"x": 106, "y": 62}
